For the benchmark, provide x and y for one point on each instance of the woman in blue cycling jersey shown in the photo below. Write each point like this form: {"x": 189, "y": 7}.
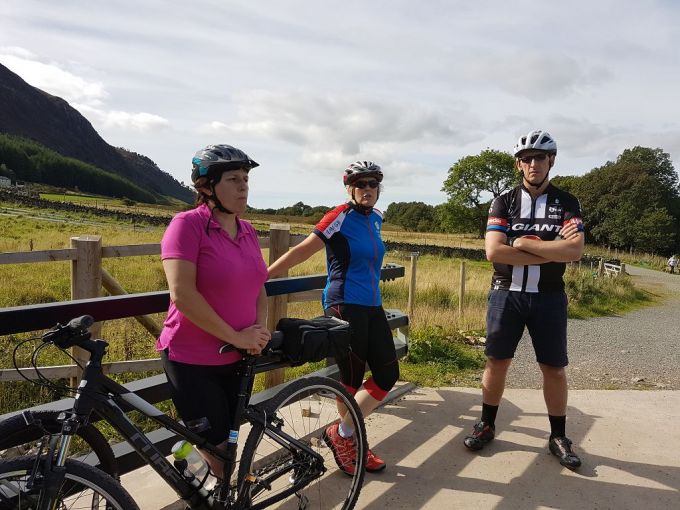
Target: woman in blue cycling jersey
{"x": 354, "y": 253}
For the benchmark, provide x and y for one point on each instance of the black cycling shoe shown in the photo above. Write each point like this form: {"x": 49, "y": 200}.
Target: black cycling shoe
{"x": 481, "y": 434}
{"x": 561, "y": 448}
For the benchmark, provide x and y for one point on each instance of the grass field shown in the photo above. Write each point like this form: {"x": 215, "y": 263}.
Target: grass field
{"x": 439, "y": 354}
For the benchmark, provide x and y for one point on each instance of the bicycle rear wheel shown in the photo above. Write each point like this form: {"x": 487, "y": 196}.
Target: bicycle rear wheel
{"x": 83, "y": 487}
{"x": 306, "y": 407}
{"x": 90, "y": 446}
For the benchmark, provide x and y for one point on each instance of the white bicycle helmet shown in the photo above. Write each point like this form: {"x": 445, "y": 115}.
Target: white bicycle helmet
{"x": 360, "y": 169}
{"x": 535, "y": 140}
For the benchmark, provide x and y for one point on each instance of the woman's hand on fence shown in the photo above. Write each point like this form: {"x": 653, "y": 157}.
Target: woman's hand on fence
{"x": 252, "y": 339}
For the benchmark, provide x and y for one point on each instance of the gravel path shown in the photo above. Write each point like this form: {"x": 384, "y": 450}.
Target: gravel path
{"x": 640, "y": 350}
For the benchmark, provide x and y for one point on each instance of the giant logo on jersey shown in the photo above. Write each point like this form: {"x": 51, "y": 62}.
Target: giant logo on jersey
{"x": 529, "y": 227}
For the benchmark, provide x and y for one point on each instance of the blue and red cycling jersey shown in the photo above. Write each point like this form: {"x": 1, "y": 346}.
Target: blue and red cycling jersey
{"x": 354, "y": 254}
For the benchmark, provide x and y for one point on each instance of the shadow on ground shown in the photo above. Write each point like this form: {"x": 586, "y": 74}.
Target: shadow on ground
{"x": 625, "y": 464}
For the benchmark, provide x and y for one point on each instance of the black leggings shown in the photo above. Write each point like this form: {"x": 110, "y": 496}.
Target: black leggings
{"x": 372, "y": 344}
{"x": 205, "y": 396}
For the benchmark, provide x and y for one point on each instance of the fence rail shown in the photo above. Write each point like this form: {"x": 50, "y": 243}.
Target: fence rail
{"x": 28, "y": 318}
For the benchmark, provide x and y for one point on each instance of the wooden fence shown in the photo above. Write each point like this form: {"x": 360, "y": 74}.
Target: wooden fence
{"x": 88, "y": 278}
{"x": 155, "y": 389}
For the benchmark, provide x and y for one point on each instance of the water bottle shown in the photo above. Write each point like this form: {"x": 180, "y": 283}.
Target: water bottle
{"x": 192, "y": 465}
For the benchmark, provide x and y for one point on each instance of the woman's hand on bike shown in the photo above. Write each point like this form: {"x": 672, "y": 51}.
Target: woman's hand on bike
{"x": 252, "y": 339}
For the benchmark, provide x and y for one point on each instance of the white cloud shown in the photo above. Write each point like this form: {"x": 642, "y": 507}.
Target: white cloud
{"x": 536, "y": 76}
{"x": 415, "y": 89}
{"x": 51, "y": 78}
{"x": 87, "y": 96}
{"x": 333, "y": 129}
{"x": 142, "y": 122}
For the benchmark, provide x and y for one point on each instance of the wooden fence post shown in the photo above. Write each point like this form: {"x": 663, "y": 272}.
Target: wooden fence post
{"x": 461, "y": 291}
{"x": 600, "y": 267}
{"x": 622, "y": 271}
{"x": 86, "y": 282}
{"x": 277, "y": 307}
{"x": 412, "y": 286}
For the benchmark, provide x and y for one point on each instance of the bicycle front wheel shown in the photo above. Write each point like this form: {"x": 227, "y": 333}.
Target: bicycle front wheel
{"x": 83, "y": 487}
{"x": 276, "y": 474}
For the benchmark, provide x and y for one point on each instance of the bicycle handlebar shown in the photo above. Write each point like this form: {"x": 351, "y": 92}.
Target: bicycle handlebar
{"x": 76, "y": 333}
{"x": 73, "y": 333}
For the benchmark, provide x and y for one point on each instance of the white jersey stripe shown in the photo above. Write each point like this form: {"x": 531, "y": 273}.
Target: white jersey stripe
{"x": 517, "y": 278}
{"x": 540, "y": 206}
{"x": 525, "y": 211}
{"x": 533, "y": 276}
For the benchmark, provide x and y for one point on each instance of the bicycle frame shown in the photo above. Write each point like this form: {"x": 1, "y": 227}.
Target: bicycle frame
{"x": 97, "y": 391}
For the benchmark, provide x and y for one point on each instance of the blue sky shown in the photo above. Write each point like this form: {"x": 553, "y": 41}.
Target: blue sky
{"x": 307, "y": 87}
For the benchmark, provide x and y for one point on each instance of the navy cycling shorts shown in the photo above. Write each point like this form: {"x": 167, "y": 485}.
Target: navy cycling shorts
{"x": 543, "y": 313}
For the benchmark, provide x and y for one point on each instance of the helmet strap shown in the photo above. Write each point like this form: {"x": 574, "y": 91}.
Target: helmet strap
{"x": 216, "y": 201}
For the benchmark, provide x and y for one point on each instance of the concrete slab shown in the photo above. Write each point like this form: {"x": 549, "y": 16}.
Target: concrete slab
{"x": 617, "y": 433}
{"x": 629, "y": 442}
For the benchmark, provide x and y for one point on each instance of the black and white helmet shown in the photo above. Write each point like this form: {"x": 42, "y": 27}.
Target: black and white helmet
{"x": 360, "y": 169}
{"x": 535, "y": 140}
{"x": 211, "y": 161}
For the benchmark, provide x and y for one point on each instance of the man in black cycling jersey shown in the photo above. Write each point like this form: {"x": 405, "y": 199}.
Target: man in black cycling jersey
{"x": 532, "y": 231}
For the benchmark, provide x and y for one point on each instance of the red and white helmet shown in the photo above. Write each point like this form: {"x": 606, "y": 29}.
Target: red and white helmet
{"x": 360, "y": 169}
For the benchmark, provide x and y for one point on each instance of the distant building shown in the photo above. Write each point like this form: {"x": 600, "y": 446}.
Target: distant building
{"x": 5, "y": 182}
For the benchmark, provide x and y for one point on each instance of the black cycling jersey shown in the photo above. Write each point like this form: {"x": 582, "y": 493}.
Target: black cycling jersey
{"x": 517, "y": 214}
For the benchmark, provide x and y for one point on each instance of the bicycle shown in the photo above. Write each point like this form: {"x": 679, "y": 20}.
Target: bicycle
{"x": 285, "y": 456}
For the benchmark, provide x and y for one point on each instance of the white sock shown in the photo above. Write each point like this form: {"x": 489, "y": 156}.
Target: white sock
{"x": 345, "y": 431}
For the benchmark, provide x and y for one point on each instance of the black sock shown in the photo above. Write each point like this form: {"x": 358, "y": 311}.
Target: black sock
{"x": 489, "y": 414}
{"x": 557, "y": 426}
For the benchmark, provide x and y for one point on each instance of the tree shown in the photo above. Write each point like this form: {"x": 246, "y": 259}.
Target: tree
{"x": 455, "y": 218}
{"x": 413, "y": 216}
{"x": 470, "y": 182}
{"x": 632, "y": 202}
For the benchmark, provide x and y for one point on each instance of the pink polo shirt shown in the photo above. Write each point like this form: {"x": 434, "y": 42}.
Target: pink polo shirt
{"x": 229, "y": 275}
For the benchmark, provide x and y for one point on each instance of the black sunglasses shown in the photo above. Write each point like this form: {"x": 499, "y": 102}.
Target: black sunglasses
{"x": 537, "y": 157}
{"x": 366, "y": 184}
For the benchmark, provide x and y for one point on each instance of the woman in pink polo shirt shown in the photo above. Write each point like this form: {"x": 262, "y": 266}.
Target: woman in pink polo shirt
{"x": 216, "y": 275}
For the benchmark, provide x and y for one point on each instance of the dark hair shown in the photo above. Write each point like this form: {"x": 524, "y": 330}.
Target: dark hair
{"x": 201, "y": 197}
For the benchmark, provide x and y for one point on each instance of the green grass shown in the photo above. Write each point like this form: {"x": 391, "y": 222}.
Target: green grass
{"x": 89, "y": 200}
{"x": 591, "y": 295}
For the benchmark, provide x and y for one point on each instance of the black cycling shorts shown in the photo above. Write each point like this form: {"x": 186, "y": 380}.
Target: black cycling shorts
{"x": 372, "y": 344}
{"x": 543, "y": 313}
{"x": 205, "y": 396}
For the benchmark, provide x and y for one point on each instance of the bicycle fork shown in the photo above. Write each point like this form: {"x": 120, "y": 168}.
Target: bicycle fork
{"x": 49, "y": 469}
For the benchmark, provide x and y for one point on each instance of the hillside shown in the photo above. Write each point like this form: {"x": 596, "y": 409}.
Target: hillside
{"x": 31, "y": 113}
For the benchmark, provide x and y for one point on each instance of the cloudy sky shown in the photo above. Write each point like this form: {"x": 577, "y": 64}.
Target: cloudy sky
{"x": 306, "y": 87}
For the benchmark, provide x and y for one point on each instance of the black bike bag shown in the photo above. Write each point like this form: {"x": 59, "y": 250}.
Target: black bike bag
{"x": 306, "y": 340}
